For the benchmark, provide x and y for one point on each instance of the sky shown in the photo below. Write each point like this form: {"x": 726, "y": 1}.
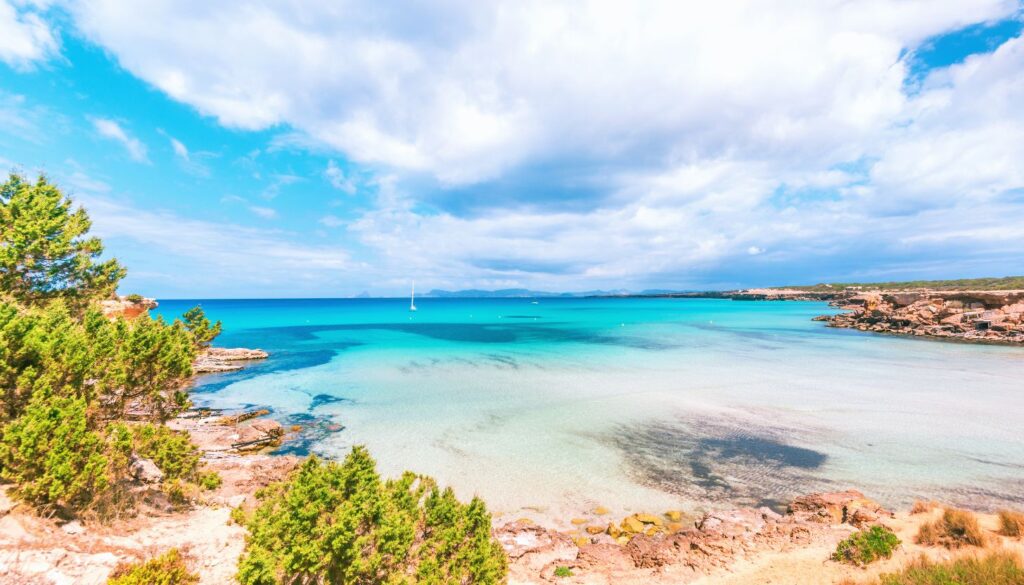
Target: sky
{"x": 327, "y": 149}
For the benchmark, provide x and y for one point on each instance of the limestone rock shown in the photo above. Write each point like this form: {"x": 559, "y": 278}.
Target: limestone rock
{"x": 222, "y": 359}
{"x": 849, "y": 507}
{"x": 145, "y": 471}
{"x": 258, "y": 434}
{"x": 127, "y": 308}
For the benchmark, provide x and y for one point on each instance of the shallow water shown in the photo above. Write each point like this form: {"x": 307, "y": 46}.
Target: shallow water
{"x": 631, "y": 403}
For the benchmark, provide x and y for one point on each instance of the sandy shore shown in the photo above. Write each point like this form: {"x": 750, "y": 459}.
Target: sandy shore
{"x": 732, "y": 547}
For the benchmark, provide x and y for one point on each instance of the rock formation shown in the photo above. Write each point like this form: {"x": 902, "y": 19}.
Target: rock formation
{"x": 715, "y": 541}
{"x": 128, "y": 307}
{"x": 222, "y": 359}
{"x": 991, "y": 316}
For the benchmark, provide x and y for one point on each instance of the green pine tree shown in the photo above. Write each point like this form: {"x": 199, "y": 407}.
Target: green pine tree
{"x": 44, "y": 251}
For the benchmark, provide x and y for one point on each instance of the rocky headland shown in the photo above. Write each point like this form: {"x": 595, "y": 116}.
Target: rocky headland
{"x": 984, "y": 316}
{"x": 987, "y": 316}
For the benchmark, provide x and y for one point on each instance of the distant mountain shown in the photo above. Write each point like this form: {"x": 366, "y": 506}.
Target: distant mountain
{"x": 511, "y": 293}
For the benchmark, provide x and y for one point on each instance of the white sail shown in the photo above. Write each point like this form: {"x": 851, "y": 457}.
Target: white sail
{"x": 412, "y": 298}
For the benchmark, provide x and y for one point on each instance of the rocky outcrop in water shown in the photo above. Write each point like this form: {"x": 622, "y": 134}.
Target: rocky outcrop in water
{"x": 988, "y": 316}
{"x": 223, "y": 359}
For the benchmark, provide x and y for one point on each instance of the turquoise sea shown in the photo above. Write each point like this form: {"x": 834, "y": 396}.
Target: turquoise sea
{"x": 635, "y": 404}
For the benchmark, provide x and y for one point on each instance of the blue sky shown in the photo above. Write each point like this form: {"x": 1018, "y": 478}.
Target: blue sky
{"x": 326, "y": 149}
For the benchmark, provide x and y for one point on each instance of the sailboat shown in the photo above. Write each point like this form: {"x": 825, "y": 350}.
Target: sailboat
{"x": 412, "y": 298}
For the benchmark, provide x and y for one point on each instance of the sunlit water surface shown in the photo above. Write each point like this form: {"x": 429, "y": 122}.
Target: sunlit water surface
{"x": 558, "y": 406}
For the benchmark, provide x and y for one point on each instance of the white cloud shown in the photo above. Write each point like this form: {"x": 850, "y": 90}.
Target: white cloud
{"x": 332, "y": 221}
{"x": 336, "y": 177}
{"x": 110, "y": 129}
{"x": 264, "y": 212}
{"x": 484, "y": 87}
{"x": 708, "y": 133}
{"x": 179, "y": 149}
{"x": 25, "y": 37}
{"x": 214, "y": 258}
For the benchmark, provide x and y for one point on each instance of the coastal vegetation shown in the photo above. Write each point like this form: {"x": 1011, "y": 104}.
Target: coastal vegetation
{"x": 167, "y": 569}
{"x": 83, "y": 394}
{"x": 956, "y": 528}
{"x": 867, "y": 546}
{"x": 995, "y": 568}
{"x": 341, "y": 523}
{"x": 1011, "y": 523}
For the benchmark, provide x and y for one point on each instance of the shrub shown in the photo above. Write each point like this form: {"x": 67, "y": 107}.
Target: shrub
{"x": 54, "y": 457}
{"x": 115, "y": 365}
{"x": 171, "y": 451}
{"x": 343, "y": 524}
{"x": 561, "y": 571}
{"x": 956, "y": 528}
{"x": 1011, "y": 523}
{"x": 135, "y": 298}
{"x": 997, "y": 568}
{"x": 210, "y": 480}
{"x": 167, "y": 569}
{"x": 867, "y": 546}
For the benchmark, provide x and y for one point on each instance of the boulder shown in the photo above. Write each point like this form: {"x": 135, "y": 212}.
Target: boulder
{"x": 849, "y": 507}
{"x": 743, "y": 522}
{"x": 257, "y": 434}
{"x": 145, "y": 471}
{"x": 537, "y": 546}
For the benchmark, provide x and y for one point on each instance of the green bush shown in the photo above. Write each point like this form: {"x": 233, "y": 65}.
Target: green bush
{"x": 997, "y": 568}
{"x": 210, "y": 480}
{"x": 342, "y": 524}
{"x": 563, "y": 571}
{"x": 117, "y": 366}
{"x": 867, "y": 546}
{"x": 135, "y": 298}
{"x": 70, "y": 377}
{"x": 171, "y": 451}
{"x": 57, "y": 461}
{"x": 166, "y": 569}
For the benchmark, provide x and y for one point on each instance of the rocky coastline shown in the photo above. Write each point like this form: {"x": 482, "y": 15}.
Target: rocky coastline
{"x": 978, "y": 316}
{"x": 981, "y": 316}
{"x": 743, "y": 545}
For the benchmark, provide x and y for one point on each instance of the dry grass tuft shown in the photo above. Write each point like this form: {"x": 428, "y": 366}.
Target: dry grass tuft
{"x": 996, "y": 568}
{"x": 955, "y": 529}
{"x": 1012, "y": 523}
{"x": 923, "y": 507}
